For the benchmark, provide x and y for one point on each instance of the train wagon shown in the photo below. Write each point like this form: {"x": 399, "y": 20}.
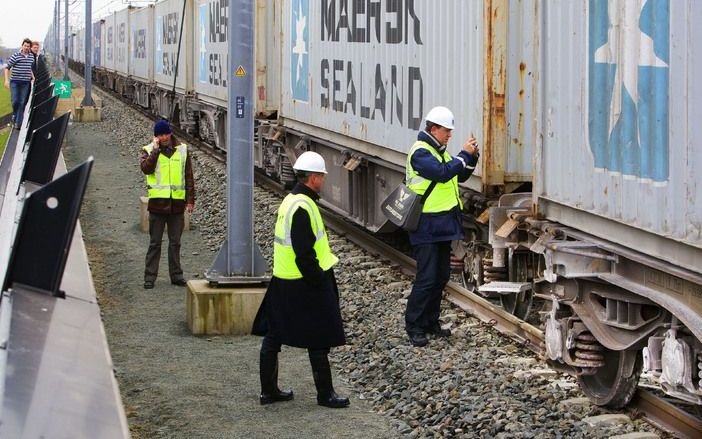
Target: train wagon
{"x": 581, "y": 109}
{"x": 141, "y": 56}
{"x": 615, "y": 218}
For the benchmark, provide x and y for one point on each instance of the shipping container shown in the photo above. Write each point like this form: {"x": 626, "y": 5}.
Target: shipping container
{"x": 97, "y": 43}
{"x": 211, "y": 51}
{"x": 363, "y": 75}
{"x": 79, "y": 51}
{"x": 121, "y": 46}
{"x": 168, "y": 19}
{"x": 108, "y": 60}
{"x": 620, "y": 123}
{"x": 141, "y": 34}
{"x": 269, "y": 19}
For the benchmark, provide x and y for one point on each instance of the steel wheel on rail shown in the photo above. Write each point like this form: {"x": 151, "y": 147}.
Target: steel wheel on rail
{"x": 614, "y": 384}
{"x": 518, "y": 304}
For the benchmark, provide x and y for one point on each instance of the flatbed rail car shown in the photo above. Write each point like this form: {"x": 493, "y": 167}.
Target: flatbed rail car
{"x": 561, "y": 143}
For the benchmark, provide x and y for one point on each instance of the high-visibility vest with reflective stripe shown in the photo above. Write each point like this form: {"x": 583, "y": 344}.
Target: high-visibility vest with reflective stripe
{"x": 444, "y": 196}
{"x": 284, "y": 266}
{"x": 168, "y": 180}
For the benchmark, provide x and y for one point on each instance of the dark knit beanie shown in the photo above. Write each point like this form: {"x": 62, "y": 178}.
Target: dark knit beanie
{"x": 162, "y": 127}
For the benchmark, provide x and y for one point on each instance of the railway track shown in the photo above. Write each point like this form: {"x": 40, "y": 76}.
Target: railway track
{"x": 655, "y": 409}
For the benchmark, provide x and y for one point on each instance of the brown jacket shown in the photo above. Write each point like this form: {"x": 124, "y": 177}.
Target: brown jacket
{"x": 169, "y": 205}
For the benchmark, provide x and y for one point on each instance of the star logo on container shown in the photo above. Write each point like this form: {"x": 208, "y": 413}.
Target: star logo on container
{"x": 203, "y": 43}
{"x": 629, "y": 53}
{"x": 299, "y": 56}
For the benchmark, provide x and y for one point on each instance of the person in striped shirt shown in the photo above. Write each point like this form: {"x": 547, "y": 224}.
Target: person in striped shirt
{"x": 20, "y": 64}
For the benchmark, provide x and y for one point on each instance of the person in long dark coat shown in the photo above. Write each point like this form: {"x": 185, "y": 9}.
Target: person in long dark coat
{"x": 301, "y": 305}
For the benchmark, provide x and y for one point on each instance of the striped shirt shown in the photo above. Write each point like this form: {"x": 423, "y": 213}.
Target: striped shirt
{"x": 21, "y": 66}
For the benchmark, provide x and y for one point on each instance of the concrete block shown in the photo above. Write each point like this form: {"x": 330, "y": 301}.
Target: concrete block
{"x": 64, "y": 106}
{"x": 221, "y": 311}
{"x": 87, "y": 114}
{"x": 608, "y": 420}
{"x": 79, "y": 93}
{"x": 144, "y": 215}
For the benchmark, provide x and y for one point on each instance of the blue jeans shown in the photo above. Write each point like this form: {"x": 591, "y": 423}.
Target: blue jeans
{"x": 19, "y": 92}
{"x": 433, "y": 273}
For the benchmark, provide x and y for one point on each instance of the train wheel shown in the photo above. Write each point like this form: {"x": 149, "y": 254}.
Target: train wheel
{"x": 614, "y": 384}
{"x": 518, "y": 304}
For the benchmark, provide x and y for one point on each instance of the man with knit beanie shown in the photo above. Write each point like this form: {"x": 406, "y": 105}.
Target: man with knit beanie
{"x": 171, "y": 189}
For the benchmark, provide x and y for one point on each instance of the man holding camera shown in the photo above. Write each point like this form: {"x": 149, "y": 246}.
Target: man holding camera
{"x": 431, "y": 168}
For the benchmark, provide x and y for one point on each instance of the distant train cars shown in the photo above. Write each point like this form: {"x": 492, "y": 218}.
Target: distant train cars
{"x": 587, "y": 193}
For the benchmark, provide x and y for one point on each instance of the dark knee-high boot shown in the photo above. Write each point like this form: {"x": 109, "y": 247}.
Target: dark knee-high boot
{"x": 268, "y": 368}
{"x": 326, "y": 396}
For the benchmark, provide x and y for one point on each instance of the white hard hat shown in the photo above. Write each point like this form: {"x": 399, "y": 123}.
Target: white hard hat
{"x": 310, "y": 161}
{"x": 441, "y": 116}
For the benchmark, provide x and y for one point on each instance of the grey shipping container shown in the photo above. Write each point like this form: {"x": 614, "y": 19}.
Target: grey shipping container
{"x": 620, "y": 121}
{"x": 363, "y": 75}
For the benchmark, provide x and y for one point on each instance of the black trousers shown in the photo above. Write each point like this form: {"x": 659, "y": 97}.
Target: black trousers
{"x": 271, "y": 344}
{"x": 433, "y": 273}
{"x": 175, "y": 223}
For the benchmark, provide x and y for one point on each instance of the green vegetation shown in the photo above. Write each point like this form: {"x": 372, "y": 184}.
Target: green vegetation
{"x": 5, "y": 105}
{"x": 4, "y": 134}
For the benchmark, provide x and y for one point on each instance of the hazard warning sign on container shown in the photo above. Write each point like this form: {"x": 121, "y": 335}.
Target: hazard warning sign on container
{"x": 240, "y": 72}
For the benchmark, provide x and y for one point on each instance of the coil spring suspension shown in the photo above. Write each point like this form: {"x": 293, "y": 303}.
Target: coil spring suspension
{"x": 493, "y": 274}
{"x": 699, "y": 370}
{"x": 588, "y": 352}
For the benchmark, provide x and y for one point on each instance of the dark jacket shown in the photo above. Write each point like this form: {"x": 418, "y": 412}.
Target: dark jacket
{"x": 440, "y": 226}
{"x": 169, "y": 205}
{"x": 303, "y": 312}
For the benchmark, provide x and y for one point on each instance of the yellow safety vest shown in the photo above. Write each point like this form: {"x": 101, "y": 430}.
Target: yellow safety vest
{"x": 444, "y": 196}
{"x": 168, "y": 180}
{"x": 284, "y": 266}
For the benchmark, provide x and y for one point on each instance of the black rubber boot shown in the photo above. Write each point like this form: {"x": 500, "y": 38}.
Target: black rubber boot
{"x": 326, "y": 396}
{"x": 268, "y": 369}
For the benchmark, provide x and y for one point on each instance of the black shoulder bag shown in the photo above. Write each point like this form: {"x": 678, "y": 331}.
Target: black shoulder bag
{"x": 403, "y": 206}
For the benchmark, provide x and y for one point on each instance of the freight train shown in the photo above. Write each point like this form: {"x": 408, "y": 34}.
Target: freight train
{"x": 587, "y": 194}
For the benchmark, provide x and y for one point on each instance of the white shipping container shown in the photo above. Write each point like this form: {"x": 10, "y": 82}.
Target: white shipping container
{"x": 79, "y": 51}
{"x": 622, "y": 138}
{"x": 122, "y": 42}
{"x": 167, "y": 20}
{"x": 108, "y": 60}
{"x": 141, "y": 34}
{"x": 269, "y": 16}
{"x": 211, "y": 51}
{"x": 364, "y": 74}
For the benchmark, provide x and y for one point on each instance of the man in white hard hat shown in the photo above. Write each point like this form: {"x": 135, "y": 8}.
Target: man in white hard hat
{"x": 431, "y": 169}
{"x": 301, "y": 306}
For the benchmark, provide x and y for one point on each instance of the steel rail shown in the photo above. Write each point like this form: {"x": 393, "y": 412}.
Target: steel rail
{"x": 665, "y": 415}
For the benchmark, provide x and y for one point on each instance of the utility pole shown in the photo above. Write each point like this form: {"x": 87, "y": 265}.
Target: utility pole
{"x": 57, "y": 37}
{"x": 88, "y": 99}
{"x": 65, "y": 44}
{"x": 239, "y": 261}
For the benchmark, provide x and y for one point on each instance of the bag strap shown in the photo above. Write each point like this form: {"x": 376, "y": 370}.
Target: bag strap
{"x": 433, "y": 183}
{"x": 428, "y": 192}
